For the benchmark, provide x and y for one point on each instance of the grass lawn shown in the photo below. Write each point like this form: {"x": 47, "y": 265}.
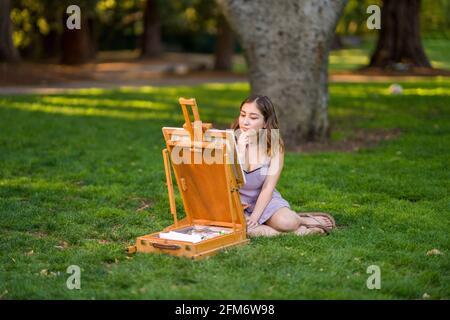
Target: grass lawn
{"x": 81, "y": 176}
{"x": 354, "y": 58}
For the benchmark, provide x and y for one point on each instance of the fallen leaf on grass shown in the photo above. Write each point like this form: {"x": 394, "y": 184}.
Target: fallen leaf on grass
{"x": 45, "y": 272}
{"x": 145, "y": 203}
{"x": 39, "y": 234}
{"x": 433, "y": 252}
{"x": 4, "y": 294}
{"x": 143, "y": 207}
{"x": 29, "y": 253}
{"x": 143, "y": 290}
{"x": 62, "y": 245}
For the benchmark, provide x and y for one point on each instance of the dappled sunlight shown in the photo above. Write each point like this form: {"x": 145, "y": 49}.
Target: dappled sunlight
{"x": 34, "y": 184}
{"x": 346, "y": 112}
{"x": 218, "y": 102}
{"x": 349, "y": 59}
{"x": 356, "y": 90}
{"x": 68, "y": 100}
{"x": 44, "y": 191}
{"x": 172, "y": 90}
{"x": 77, "y": 111}
{"x": 361, "y": 90}
{"x": 90, "y": 91}
{"x": 440, "y": 64}
{"x": 427, "y": 91}
{"x": 146, "y": 89}
{"x": 352, "y": 59}
{"x": 122, "y": 98}
{"x": 243, "y": 86}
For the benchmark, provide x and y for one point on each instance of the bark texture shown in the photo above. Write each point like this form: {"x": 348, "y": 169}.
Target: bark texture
{"x": 8, "y": 52}
{"x": 223, "y": 58}
{"x": 286, "y": 45}
{"x": 399, "y": 39}
{"x": 77, "y": 43}
{"x": 151, "y": 38}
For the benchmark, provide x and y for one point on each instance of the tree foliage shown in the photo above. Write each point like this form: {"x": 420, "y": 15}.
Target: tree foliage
{"x": 186, "y": 24}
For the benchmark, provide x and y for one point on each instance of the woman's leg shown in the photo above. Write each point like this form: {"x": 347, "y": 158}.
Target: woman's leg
{"x": 262, "y": 231}
{"x": 284, "y": 220}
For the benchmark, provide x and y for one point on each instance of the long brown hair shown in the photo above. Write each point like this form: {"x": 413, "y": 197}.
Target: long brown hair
{"x": 267, "y": 109}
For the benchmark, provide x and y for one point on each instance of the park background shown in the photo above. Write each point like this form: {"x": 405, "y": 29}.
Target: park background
{"x": 81, "y": 171}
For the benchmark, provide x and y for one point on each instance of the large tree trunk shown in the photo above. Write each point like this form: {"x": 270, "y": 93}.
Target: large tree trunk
{"x": 8, "y": 52}
{"x": 76, "y": 43}
{"x": 223, "y": 57}
{"x": 151, "y": 39}
{"x": 399, "y": 38}
{"x": 286, "y": 45}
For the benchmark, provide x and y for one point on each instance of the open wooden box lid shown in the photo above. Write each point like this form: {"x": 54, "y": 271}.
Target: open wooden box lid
{"x": 209, "y": 183}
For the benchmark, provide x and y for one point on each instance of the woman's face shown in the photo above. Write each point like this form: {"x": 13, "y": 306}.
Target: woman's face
{"x": 251, "y": 118}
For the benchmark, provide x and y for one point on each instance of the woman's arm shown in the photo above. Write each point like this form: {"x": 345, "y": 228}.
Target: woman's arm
{"x": 242, "y": 144}
{"x": 274, "y": 172}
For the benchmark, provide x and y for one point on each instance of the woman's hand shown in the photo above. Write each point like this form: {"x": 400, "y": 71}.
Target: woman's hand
{"x": 251, "y": 222}
{"x": 243, "y": 140}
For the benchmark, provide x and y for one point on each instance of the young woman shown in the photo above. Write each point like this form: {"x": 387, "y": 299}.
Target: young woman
{"x": 267, "y": 213}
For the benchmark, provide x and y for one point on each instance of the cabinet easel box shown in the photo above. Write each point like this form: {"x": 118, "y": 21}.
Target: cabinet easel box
{"x": 214, "y": 214}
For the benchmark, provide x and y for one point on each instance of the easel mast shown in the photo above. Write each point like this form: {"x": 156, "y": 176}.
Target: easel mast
{"x": 173, "y": 207}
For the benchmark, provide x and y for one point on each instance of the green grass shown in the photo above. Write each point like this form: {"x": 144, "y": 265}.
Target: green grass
{"x": 355, "y": 58}
{"x": 350, "y": 59}
{"x": 74, "y": 168}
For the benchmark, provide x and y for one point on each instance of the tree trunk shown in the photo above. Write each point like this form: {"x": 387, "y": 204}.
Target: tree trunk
{"x": 223, "y": 57}
{"x": 151, "y": 39}
{"x": 286, "y": 45}
{"x": 51, "y": 45}
{"x": 76, "y": 43}
{"x": 337, "y": 44}
{"x": 8, "y": 52}
{"x": 93, "y": 47}
{"x": 399, "y": 39}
